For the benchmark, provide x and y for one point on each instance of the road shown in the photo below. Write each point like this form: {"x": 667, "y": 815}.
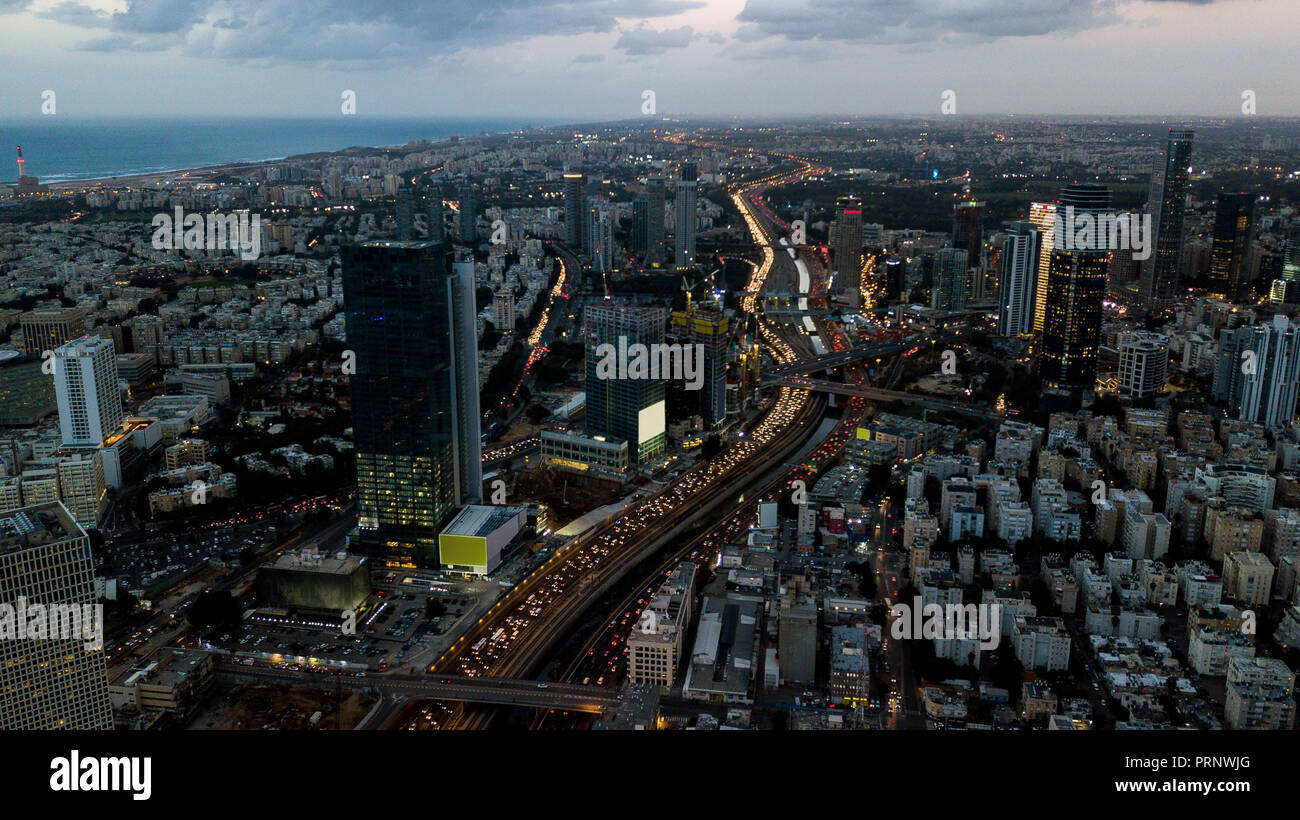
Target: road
{"x": 499, "y": 691}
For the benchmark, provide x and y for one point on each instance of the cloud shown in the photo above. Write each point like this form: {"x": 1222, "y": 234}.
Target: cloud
{"x": 13, "y": 6}
{"x": 897, "y": 22}
{"x": 641, "y": 40}
{"x": 376, "y": 32}
{"x": 589, "y": 58}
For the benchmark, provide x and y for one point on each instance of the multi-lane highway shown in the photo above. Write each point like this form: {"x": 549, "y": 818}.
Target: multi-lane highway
{"x": 513, "y": 638}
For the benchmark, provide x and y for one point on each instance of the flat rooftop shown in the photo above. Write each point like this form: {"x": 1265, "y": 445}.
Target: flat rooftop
{"x": 39, "y": 524}
{"x": 479, "y": 520}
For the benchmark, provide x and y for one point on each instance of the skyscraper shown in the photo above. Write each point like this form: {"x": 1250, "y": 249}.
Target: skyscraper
{"x": 1234, "y": 226}
{"x": 848, "y": 244}
{"x": 600, "y": 235}
{"x": 468, "y": 215}
{"x": 950, "y": 280}
{"x": 1042, "y": 216}
{"x": 968, "y": 230}
{"x": 1271, "y": 373}
{"x": 687, "y": 192}
{"x": 1076, "y": 286}
{"x": 631, "y": 409}
{"x": 85, "y": 387}
{"x": 655, "y": 220}
{"x": 405, "y": 213}
{"x": 708, "y": 326}
{"x": 1286, "y": 288}
{"x": 59, "y": 680}
{"x": 1167, "y": 204}
{"x": 575, "y": 210}
{"x": 410, "y": 322}
{"x": 434, "y": 214}
{"x": 1020, "y": 254}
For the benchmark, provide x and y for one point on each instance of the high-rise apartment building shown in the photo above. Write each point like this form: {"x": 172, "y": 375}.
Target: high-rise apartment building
{"x": 687, "y": 194}
{"x": 410, "y": 321}
{"x": 1143, "y": 365}
{"x": 1270, "y": 382}
{"x": 1020, "y": 254}
{"x": 1076, "y": 286}
{"x": 634, "y": 408}
{"x": 58, "y": 681}
{"x": 1167, "y": 204}
{"x": 432, "y": 198}
{"x": 85, "y": 387}
{"x": 951, "y": 279}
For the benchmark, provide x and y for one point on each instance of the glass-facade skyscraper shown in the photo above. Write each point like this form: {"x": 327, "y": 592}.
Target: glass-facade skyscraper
{"x": 1234, "y": 225}
{"x": 410, "y": 322}
{"x": 1167, "y": 203}
{"x": 631, "y": 409}
{"x": 1076, "y": 286}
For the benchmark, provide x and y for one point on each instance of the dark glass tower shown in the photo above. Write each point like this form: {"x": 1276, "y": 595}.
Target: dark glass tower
{"x": 468, "y": 215}
{"x": 632, "y": 409}
{"x": 1167, "y": 204}
{"x": 575, "y": 210}
{"x": 1234, "y": 225}
{"x": 410, "y": 323}
{"x": 1076, "y": 285}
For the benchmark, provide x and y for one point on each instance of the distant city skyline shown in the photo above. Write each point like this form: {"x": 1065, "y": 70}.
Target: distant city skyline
{"x": 583, "y": 60}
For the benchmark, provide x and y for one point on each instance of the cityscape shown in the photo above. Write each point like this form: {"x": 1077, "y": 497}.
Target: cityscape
{"x": 919, "y": 422}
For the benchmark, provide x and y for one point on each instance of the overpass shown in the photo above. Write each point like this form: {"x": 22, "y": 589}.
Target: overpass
{"x": 499, "y": 691}
{"x": 827, "y": 361}
{"x": 876, "y": 394}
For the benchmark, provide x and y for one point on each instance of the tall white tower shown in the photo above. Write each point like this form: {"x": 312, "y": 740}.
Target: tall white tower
{"x": 85, "y": 386}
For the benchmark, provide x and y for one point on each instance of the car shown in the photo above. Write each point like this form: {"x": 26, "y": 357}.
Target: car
{"x": 541, "y": 686}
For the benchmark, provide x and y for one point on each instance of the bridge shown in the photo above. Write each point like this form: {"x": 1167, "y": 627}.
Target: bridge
{"x": 499, "y": 691}
{"x": 877, "y": 394}
{"x": 827, "y": 361}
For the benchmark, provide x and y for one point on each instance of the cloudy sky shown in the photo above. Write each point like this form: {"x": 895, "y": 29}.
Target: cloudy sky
{"x": 587, "y": 59}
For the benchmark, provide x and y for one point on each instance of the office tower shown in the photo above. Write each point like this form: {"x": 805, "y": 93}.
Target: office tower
{"x": 433, "y": 212}
{"x": 631, "y": 409}
{"x": 1021, "y": 251}
{"x": 968, "y": 230}
{"x": 410, "y": 321}
{"x": 1167, "y": 204}
{"x": 1286, "y": 288}
{"x": 1143, "y": 365}
{"x": 1271, "y": 377}
{"x": 848, "y": 245}
{"x": 1234, "y": 226}
{"x": 468, "y": 215}
{"x": 85, "y": 387}
{"x": 706, "y": 325}
{"x": 60, "y": 681}
{"x": 687, "y": 191}
{"x": 1076, "y": 285}
{"x": 575, "y": 210}
{"x": 639, "y": 241}
{"x": 47, "y": 329}
{"x": 950, "y": 276}
{"x": 405, "y": 213}
{"x": 1042, "y": 216}
{"x": 655, "y": 220}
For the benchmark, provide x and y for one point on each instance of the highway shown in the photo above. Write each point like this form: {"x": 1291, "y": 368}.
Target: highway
{"x": 877, "y": 394}
{"x": 513, "y": 638}
{"x": 499, "y": 691}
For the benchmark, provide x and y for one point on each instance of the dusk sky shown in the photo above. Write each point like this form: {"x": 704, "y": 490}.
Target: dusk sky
{"x": 586, "y": 59}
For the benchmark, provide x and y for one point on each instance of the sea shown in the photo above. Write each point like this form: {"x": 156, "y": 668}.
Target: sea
{"x": 59, "y": 148}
